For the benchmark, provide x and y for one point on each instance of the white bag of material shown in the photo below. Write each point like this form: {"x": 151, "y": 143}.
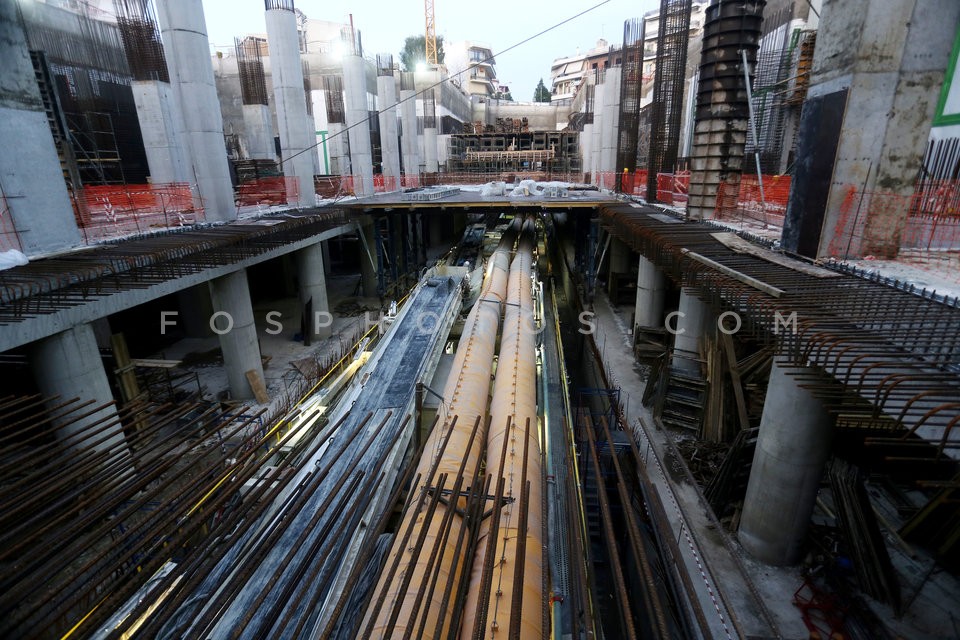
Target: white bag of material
{"x": 12, "y": 258}
{"x": 493, "y": 189}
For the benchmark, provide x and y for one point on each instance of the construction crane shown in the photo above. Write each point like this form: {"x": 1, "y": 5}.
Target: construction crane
{"x": 430, "y": 35}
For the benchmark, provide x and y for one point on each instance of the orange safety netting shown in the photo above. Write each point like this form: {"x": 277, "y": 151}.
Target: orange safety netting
{"x": 114, "y": 210}
{"x": 748, "y": 200}
{"x": 673, "y": 188}
{"x": 881, "y": 223}
{"x": 271, "y": 190}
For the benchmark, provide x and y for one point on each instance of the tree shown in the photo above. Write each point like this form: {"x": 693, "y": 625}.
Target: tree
{"x": 503, "y": 95}
{"x": 541, "y": 93}
{"x": 415, "y": 51}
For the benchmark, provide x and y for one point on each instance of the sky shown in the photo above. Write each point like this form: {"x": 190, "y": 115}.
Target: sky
{"x": 384, "y": 24}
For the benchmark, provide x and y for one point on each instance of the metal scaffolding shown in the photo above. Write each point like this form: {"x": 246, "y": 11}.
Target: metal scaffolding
{"x": 631, "y": 72}
{"x": 667, "y": 108}
{"x": 770, "y": 91}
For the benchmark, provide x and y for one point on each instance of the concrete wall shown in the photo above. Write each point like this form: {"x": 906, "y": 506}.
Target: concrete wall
{"x": 30, "y": 175}
{"x": 891, "y": 57}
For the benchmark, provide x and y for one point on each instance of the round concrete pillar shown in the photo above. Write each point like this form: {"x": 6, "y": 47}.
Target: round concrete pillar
{"x": 68, "y": 364}
{"x": 389, "y": 140}
{"x": 358, "y": 114}
{"x": 296, "y": 135}
{"x": 693, "y": 322}
{"x": 184, "y": 32}
{"x": 233, "y": 322}
{"x": 409, "y": 138}
{"x": 368, "y": 258}
{"x": 313, "y": 290}
{"x": 792, "y": 448}
{"x": 651, "y": 286}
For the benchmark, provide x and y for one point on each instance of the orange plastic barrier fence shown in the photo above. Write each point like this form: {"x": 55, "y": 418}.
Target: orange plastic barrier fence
{"x": 104, "y": 211}
{"x": 271, "y": 190}
{"x": 929, "y": 219}
{"x": 747, "y": 200}
{"x": 673, "y": 188}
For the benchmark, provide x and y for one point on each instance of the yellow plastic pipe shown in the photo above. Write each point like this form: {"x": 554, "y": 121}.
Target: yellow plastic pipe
{"x": 514, "y": 403}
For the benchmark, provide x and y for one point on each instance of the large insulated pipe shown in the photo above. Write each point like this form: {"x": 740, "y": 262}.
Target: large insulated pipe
{"x": 466, "y": 396}
{"x": 505, "y": 599}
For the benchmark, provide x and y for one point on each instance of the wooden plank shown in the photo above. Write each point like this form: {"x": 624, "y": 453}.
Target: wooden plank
{"x": 126, "y": 377}
{"x": 726, "y": 341}
{"x": 759, "y": 285}
{"x": 259, "y": 390}
{"x": 738, "y": 244}
{"x": 155, "y": 364}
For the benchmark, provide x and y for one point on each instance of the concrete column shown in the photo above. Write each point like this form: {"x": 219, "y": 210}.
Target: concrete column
{"x": 286, "y": 75}
{"x": 409, "y": 142}
{"x": 430, "y": 151}
{"x": 339, "y": 161}
{"x": 694, "y": 321}
{"x": 325, "y": 245}
{"x": 368, "y": 258}
{"x": 30, "y": 174}
{"x": 792, "y": 448}
{"x": 258, "y": 129}
{"x": 619, "y": 261}
{"x": 313, "y": 289}
{"x": 184, "y": 33}
{"x": 611, "y": 120}
{"x": 586, "y": 152}
{"x": 68, "y": 365}
{"x": 435, "y": 230}
{"x": 722, "y": 112}
{"x": 358, "y": 114}
{"x": 389, "y": 141}
{"x": 651, "y": 287}
{"x": 161, "y": 126}
{"x": 195, "y": 311}
{"x": 233, "y": 319}
{"x": 596, "y": 142}
{"x": 866, "y": 121}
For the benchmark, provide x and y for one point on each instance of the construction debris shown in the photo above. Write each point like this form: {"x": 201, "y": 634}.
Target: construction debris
{"x": 862, "y": 536}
